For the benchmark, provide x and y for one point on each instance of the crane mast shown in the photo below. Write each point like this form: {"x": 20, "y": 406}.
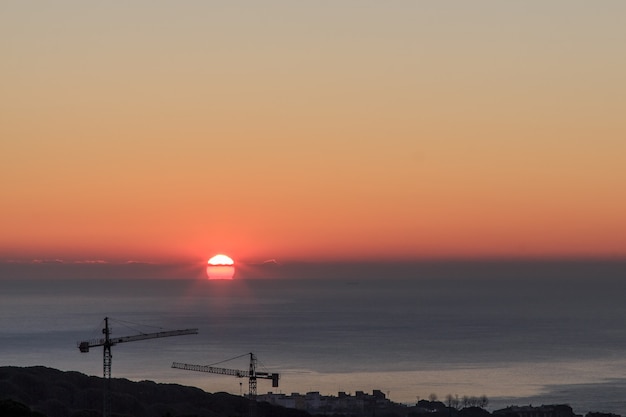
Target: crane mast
{"x": 107, "y": 341}
{"x": 251, "y": 373}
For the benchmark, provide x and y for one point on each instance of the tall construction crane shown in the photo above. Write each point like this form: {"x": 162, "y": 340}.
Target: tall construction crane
{"x": 107, "y": 341}
{"x": 251, "y": 373}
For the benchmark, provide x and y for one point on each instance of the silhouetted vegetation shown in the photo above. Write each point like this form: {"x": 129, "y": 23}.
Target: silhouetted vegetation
{"x": 40, "y": 391}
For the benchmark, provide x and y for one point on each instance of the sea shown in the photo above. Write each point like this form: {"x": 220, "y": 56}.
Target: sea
{"x": 518, "y": 334}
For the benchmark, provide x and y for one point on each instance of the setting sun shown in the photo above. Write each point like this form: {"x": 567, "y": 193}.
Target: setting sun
{"x": 220, "y": 267}
{"x": 221, "y": 260}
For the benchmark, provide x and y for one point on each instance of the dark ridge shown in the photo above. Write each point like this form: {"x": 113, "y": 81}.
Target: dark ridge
{"x": 40, "y": 391}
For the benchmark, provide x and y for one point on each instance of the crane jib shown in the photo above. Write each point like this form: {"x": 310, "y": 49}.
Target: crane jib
{"x": 225, "y": 371}
{"x": 86, "y": 344}
{"x": 211, "y": 369}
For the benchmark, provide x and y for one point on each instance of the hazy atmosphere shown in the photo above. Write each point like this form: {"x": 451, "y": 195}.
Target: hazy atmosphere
{"x": 407, "y": 199}
{"x": 169, "y": 131}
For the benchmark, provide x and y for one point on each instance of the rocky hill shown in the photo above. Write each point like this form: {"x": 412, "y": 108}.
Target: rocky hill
{"x": 53, "y": 393}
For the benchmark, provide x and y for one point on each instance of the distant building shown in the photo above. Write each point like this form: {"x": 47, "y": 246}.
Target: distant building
{"x": 315, "y": 403}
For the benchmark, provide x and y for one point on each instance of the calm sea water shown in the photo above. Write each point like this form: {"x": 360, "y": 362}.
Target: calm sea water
{"x": 551, "y": 338}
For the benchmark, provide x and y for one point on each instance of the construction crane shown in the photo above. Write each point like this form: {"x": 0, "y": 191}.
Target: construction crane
{"x": 107, "y": 341}
{"x": 251, "y": 373}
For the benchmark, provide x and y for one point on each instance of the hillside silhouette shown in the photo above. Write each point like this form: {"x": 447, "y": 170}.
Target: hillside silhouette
{"x": 54, "y": 393}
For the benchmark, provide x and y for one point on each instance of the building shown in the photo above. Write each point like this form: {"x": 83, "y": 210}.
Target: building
{"x": 315, "y": 403}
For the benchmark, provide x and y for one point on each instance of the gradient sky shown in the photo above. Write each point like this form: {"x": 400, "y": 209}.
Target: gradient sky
{"x": 151, "y": 130}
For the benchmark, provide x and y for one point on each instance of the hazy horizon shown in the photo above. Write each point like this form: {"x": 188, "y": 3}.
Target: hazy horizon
{"x": 344, "y": 270}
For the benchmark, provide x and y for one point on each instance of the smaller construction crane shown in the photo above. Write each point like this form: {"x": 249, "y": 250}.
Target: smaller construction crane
{"x": 107, "y": 341}
{"x": 251, "y": 373}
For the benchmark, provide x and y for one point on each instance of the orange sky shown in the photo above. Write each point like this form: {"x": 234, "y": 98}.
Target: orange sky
{"x": 307, "y": 131}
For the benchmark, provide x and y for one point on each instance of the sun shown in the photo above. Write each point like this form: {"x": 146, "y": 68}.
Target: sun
{"x": 220, "y": 267}
{"x": 221, "y": 260}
